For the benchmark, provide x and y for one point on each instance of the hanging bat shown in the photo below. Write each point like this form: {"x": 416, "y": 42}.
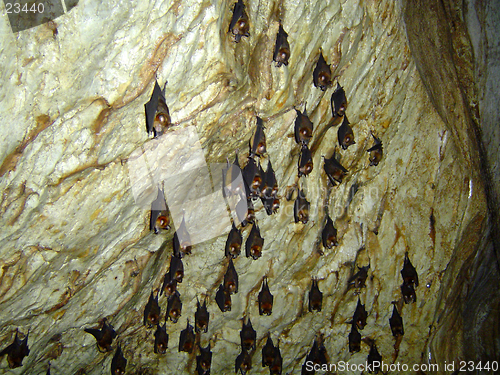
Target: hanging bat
{"x": 152, "y": 311}
{"x": 345, "y": 134}
{"x": 118, "y": 363}
{"x": 268, "y": 352}
{"x": 103, "y": 336}
{"x": 359, "y": 278}
{"x": 303, "y": 127}
{"x": 176, "y": 269}
{"x": 258, "y": 140}
{"x": 245, "y": 211}
{"x": 315, "y": 297}
{"x": 265, "y": 299}
{"x": 334, "y": 170}
{"x": 254, "y": 243}
{"x": 396, "y": 323}
{"x": 277, "y": 365}
{"x": 338, "y": 102}
{"x": 169, "y": 285}
{"x": 376, "y": 152}
{"x": 233, "y": 243}
{"x": 201, "y": 317}
{"x": 282, "y": 48}
{"x": 157, "y": 114}
{"x": 301, "y": 208}
{"x": 182, "y": 241}
{"x": 174, "y": 307}
{"x": 160, "y": 215}
{"x": 409, "y": 273}
{"x": 223, "y": 299}
{"x": 161, "y": 339}
{"x": 230, "y": 178}
{"x": 248, "y": 336}
{"x": 253, "y": 178}
{"x": 204, "y": 360}
{"x": 329, "y": 234}
{"x": 186, "y": 339}
{"x": 374, "y": 358}
{"x": 322, "y": 74}
{"x": 360, "y": 315}
{"x": 408, "y": 293}
{"x": 317, "y": 354}
{"x": 16, "y": 351}
{"x": 243, "y": 362}
{"x": 239, "y": 25}
{"x": 354, "y": 339}
{"x": 270, "y": 204}
{"x": 305, "y": 161}
{"x": 270, "y": 185}
{"x": 231, "y": 278}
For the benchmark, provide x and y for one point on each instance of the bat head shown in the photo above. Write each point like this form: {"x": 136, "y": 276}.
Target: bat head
{"x": 163, "y": 222}
{"x": 324, "y": 79}
{"x": 153, "y": 319}
{"x": 348, "y": 140}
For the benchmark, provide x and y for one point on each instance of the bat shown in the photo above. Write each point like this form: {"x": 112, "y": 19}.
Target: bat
{"x": 253, "y": 178}
{"x": 374, "y": 358}
{"x": 315, "y": 297}
{"x": 360, "y": 315}
{"x": 322, "y": 74}
{"x": 301, "y": 208}
{"x": 268, "y": 352}
{"x": 277, "y": 365}
{"x": 345, "y": 134}
{"x": 176, "y": 269}
{"x": 409, "y": 273}
{"x": 334, "y": 170}
{"x": 265, "y": 299}
{"x": 258, "y": 140}
{"x": 329, "y": 234}
{"x": 396, "y": 323}
{"x": 338, "y": 102}
{"x": 376, "y": 152}
{"x": 204, "y": 360}
{"x": 305, "y": 161}
{"x": 239, "y": 25}
{"x": 231, "y": 278}
{"x": 169, "y": 285}
{"x": 270, "y": 185}
{"x": 174, "y": 307}
{"x": 16, "y": 351}
{"x": 161, "y": 339}
{"x": 103, "y": 336}
{"x": 160, "y": 215}
{"x": 281, "y": 48}
{"x": 223, "y": 299}
{"x": 233, "y": 243}
{"x": 303, "y": 127}
{"x": 118, "y": 363}
{"x": 157, "y": 114}
{"x": 243, "y": 362}
{"x": 231, "y": 185}
{"x": 317, "y": 354}
{"x": 359, "y": 278}
{"x": 408, "y": 293}
{"x": 254, "y": 243}
{"x": 354, "y": 339}
{"x": 186, "y": 339}
{"x": 201, "y": 317}
{"x": 270, "y": 204}
{"x": 182, "y": 246}
{"x": 250, "y": 217}
{"x": 152, "y": 311}
{"x": 248, "y": 336}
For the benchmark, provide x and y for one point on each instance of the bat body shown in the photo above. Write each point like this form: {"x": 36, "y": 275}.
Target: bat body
{"x": 303, "y": 127}
{"x": 396, "y": 323}
{"x": 265, "y": 299}
{"x": 174, "y": 307}
{"x": 243, "y": 362}
{"x": 359, "y": 278}
{"x": 161, "y": 339}
{"x": 182, "y": 241}
{"x": 253, "y": 178}
{"x": 103, "y": 336}
{"x": 201, "y": 317}
{"x": 360, "y": 315}
{"x": 334, "y": 170}
{"x": 374, "y": 357}
{"x": 16, "y": 351}
{"x": 239, "y": 25}
{"x": 231, "y": 278}
{"x": 376, "y": 152}
{"x": 223, "y": 299}
{"x": 254, "y": 243}
{"x": 157, "y": 113}
{"x": 317, "y": 354}
{"x": 338, "y": 102}
{"x": 282, "y": 48}
{"x": 408, "y": 293}
{"x": 160, "y": 215}
{"x": 322, "y": 75}
{"x": 204, "y": 361}
{"x": 118, "y": 363}
{"x": 354, "y": 339}
{"x": 176, "y": 269}
{"x": 277, "y": 365}
{"x": 409, "y": 273}
{"x": 305, "y": 161}
{"x": 248, "y": 336}
{"x": 345, "y": 134}
{"x": 270, "y": 204}
{"x": 301, "y": 208}
{"x": 152, "y": 311}
{"x": 169, "y": 285}
{"x": 268, "y": 352}
{"x": 233, "y": 243}
{"x": 250, "y": 216}
{"x": 270, "y": 185}
{"x": 232, "y": 186}
{"x": 258, "y": 140}
{"x": 315, "y": 297}
{"x": 329, "y": 234}
{"x": 186, "y": 339}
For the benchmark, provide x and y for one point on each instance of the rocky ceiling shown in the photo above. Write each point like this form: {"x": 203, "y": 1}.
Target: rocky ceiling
{"x": 76, "y": 246}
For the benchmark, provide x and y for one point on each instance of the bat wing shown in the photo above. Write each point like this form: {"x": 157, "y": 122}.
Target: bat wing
{"x": 151, "y": 106}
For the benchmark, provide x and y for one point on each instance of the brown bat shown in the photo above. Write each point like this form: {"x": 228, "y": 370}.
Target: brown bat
{"x": 360, "y": 315}
{"x": 315, "y": 297}
{"x": 258, "y": 140}
{"x": 303, "y": 127}
{"x": 265, "y": 299}
{"x": 245, "y": 211}
{"x": 223, "y": 299}
{"x": 409, "y": 273}
{"x": 305, "y": 161}
{"x": 250, "y": 218}
{"x": 239, "y": 25}
{"x": 268, "y": 352}
{"x": 231, "y": 278}
{"x": 157, "y": 113}
{"x": 182, "y": 241}
{"x": 270, "y": 183}
{"x": 233, "y": 243}
{"x": 201, "y": 317}
{"x": 186, "y": 339}
{"x": 374, "y": 358}
{"x": 118, "y": 363}
{"x": 282, "y": 48}
{"x": 408, "y": 293}
{"x": 345, "y": 134}
{"x": 243, "y": 362}
{"x": 204, "y": 360}
{"x": 160, "y": 215}
{"x": 301, "y": 208}
{"x": 253, "y": 178}
{"x": 396, "y": 323}
{"x": 231, "y": 183}
{"x": 270, "y": 204}
{"x": 16, "y": 351}
{"x": 359, "y": 278}
{"x": 376, "y": 152}
{"x": 338, "y": 102}
{"x": 254, "y": 243}
{"x": 354, "y": 339}
{"x": 174, "y": 307}
{"x": 176, "y": 269}
{"x": 152, "y": 311}
{"x": 334, "y": 170}
{"x": 322, "y": 75}
{"x": 277, "y": 365}
{"x": 329, "y": 234}
{"x": 248, "y": 336}
{"x": 317, "y": 355}
{"x": 103, "y": 336}
{"x": 169, "y": 285}
{"x": 161, "y": 339}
